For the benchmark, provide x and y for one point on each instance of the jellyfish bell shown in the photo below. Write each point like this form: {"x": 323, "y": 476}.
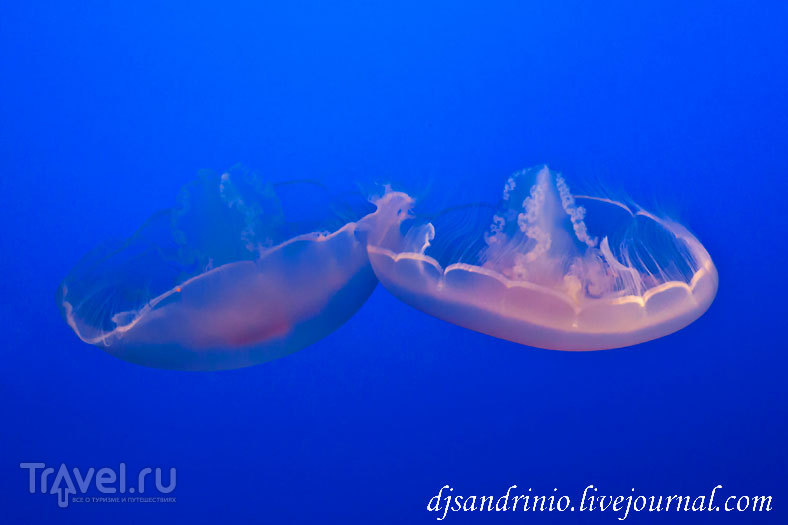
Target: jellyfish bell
{"x": 238, "y": 273}
{"x": 544, "y": 267}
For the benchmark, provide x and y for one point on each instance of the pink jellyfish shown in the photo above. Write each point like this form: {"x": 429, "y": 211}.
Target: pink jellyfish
{"x": 239, "y": 272}
{"x": 545, "y": 268}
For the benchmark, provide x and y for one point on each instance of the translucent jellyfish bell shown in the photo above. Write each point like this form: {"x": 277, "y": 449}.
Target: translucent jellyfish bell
{"x": 544, "y": 268}
{"x": 239, "y": 272}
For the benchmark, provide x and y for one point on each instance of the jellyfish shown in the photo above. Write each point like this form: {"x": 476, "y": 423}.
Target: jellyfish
{"x": 239, "y": 272}
{"x": 544, "y": 268}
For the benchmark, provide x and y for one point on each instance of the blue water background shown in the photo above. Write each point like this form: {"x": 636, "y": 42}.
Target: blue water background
{"x": 107, "y": 108}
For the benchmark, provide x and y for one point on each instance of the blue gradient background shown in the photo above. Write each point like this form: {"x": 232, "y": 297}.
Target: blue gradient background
{"x": 107, "y": 108}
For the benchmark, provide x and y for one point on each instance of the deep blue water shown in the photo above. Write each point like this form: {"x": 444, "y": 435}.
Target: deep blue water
{"x": 106, "y": 109}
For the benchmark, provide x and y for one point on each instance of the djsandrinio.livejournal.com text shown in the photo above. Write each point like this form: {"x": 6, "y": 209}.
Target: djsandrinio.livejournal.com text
{"x": 590, "y": 499}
